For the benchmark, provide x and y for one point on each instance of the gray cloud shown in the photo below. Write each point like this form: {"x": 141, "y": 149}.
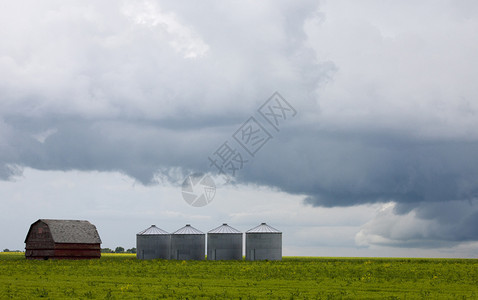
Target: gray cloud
{"x": 148, "y": 88}
{"x": 391, "y": 169}
{"x": 386, "y": 110}
{"x": 428, "y": 225}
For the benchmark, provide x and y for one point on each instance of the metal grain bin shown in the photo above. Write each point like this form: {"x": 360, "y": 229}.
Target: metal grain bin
{"x": 263, "y": 242}
{"x": 224, "y": 243}
{"x": 188, "y": 243}
{"x": 153, "y": 243}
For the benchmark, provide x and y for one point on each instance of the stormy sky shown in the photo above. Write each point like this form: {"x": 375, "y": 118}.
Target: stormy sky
{"x": 106, "y": 107}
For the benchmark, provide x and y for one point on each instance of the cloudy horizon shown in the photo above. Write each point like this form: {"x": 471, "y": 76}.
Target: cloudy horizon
{"x": 106, "y": 107}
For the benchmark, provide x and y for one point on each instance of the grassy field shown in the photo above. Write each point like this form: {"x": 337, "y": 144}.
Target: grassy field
{"x": 117, "y": 276}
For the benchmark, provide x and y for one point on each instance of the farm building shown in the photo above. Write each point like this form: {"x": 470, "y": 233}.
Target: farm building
{"x": 153, "y": 243}
{"x": 224, "y": 243}
{"x": 263, "y": 242}
{"x": 62, "y": 239}
{"x": 188, "y": 243}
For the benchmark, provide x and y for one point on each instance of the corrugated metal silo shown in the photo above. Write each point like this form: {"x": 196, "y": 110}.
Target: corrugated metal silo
{"x": 153, "y": 243}
{"x": 188, "y": 243}
{"x": 224, "y": 243}
{"x": 263, "y": 242}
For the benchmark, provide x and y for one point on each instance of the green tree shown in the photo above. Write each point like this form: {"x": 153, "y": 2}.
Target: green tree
{"x": 132, "y": 250}
{"x": 6, "y": 250}
{"x": 119, "y": 249}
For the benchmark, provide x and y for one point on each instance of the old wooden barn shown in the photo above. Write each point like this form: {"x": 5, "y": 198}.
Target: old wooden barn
{"x": 62, "y": 239}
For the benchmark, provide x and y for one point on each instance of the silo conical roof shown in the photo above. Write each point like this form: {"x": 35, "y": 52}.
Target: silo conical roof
{"x": 263, "y": 228}
{"x": 224, "y": 228}
{"x": 188, "y": 229}
{"x": 153, "y": 230}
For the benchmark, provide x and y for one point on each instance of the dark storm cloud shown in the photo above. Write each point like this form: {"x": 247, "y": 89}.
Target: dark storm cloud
{"x": 342, "y": 170}
{"x": 138, "y": 149}
{"x": 146, "y": 86}
{"x": 331, "y": 169}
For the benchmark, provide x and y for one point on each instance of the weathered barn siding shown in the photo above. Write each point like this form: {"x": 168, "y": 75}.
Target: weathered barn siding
{"x": 62, "y": 239}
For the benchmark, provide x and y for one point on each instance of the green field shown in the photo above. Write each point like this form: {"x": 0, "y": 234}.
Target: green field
{"x": 117, "y": 276}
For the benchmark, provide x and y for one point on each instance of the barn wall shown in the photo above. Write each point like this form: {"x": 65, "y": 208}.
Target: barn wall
{"x": 65, "y": 252}
{"x": 39, "y": 242}
{"x": 39, "y": 237}
{"x": 39, "y": 254}
{"x": 66, "y": 246}
{"x": 77, "y": 251}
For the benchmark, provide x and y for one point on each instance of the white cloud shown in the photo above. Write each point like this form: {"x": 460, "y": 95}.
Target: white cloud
{"x": 445, "y": 225}
{"x": 183, "y": 38}
{"x": 401, "y": 66}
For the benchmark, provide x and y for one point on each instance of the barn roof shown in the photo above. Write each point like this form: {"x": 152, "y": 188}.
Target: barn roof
{"x": 72, "y": 231}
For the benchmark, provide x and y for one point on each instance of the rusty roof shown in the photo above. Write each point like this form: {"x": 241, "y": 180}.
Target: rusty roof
{"x": 72, "y": 231}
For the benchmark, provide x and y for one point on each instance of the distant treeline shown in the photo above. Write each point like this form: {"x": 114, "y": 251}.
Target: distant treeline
{"x": 8, "y": 250}
{"x": 118, "y": 249}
